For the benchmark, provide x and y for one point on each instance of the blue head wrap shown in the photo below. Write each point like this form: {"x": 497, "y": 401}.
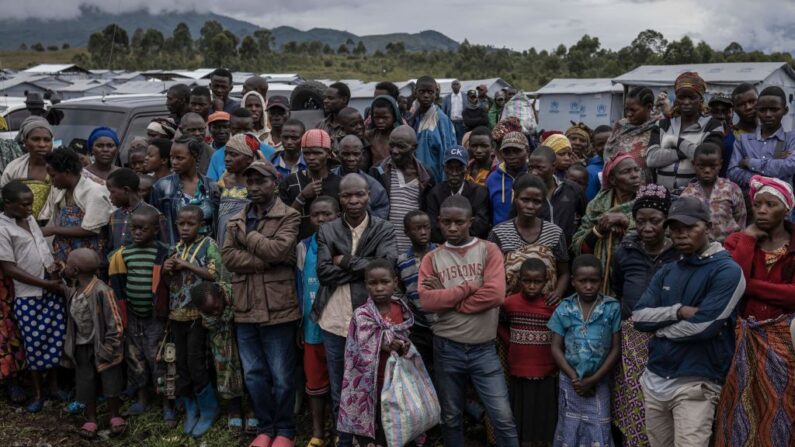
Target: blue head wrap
{"x": 98, "y": 133}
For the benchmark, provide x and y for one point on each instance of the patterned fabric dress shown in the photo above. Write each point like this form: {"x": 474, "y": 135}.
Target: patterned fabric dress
{"x": 233, "y": 200}
{"x": 223, "y": 346}
{"x": 71, "y": 216}
{"x": 43, "y": 328}
{"x": 12, "y": 353}
{"x": 630, "y": 139}
{"x": 629, "y": 414}
{"x": 41, "y": 191}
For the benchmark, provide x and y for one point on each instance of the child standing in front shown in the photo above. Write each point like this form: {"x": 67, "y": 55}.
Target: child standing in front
{"x": 196, "y": 259}
{"x": 534, "y": 396}
{"x": 323, "y": 209}
{"x": 94, "y": 340}
{"x": 588, "y": 324}
{"x": 378, "y": 327}
{"x": 38, "y": 309}
{"x": 722, "y": 196}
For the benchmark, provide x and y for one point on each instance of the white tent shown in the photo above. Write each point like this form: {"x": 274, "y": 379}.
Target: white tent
{"x": 591, "y": 101}
{"x": 719, "y": 78}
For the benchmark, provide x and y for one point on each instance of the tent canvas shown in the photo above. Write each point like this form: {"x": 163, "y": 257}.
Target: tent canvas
{"x": 591, "y": 101}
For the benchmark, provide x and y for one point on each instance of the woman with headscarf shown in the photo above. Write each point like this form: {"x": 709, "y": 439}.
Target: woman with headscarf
{"x": 31, "y": 168}
{"x": 579, "y": 136}
{"x": 640, "y": 255}
{"x": 161, "y": 127}
{"x": 103, "y": 146}
{"x": 186, "y": 186}
{"x": 564, "y": 154}
{"x": 384, "y": 118}
{"x": 756, "y": 403}
{"x": 631, "y": 133}
{"x": 608, "y": 216}
{"x": 257, "y": 105}
{"x": 232, "y": 186}
{"x": 673, "y": 141}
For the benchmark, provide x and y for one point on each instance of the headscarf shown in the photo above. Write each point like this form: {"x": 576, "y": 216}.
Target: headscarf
{"x": 557, "y": 142}
{"x": 243, "y": 143}
{"x": 547, "y": 133}
{"x": 690, "y": 80}
{"x": 610, "y": 165}
{"x": 164, "y": 126}
{"x": 31, "y": 123}
{"x": 580, "y": 129}
{"x": 264, "y": 118}
{"x": 652, "y": 196}
{"x": 98, "y": 133}
{"x": 504, "y": 127}
{"x": 394, "y": 107}
{"x": 773, "y": 186}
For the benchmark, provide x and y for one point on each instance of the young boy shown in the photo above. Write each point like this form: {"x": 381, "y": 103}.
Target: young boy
{"x": 722, "y": 196}
{"x": 463, "y": 281}
{"x": 135, "y": 274}
{"x": 530, "y": 364}
{"x": 588, "y": 324}
{"x": 145, "y": 188}
{"x": 124, "y": 187}
{"x": 578, "y": 175}
{"x": 196, "y": 259}
{"x": 324, "y": 209}
{"x": 481, "y": 149}
{"x": 289, "y": 160}
{"x": 38, "y": 309}
{"x": 94, "y": 340}
{"x": 500, "y": 182}
{"x": 417, "y": 226}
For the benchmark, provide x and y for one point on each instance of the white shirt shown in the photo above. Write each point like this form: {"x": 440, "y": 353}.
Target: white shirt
{"x": 456, "y": 106}
{"x": 28, "y": 250}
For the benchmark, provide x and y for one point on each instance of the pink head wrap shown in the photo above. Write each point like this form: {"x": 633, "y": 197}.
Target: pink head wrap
{"x": 610, "y": 165}
{"x": 777, "y": 188}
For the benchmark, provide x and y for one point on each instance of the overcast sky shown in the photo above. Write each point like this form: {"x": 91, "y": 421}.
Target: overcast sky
{"x": 520, "y": 24}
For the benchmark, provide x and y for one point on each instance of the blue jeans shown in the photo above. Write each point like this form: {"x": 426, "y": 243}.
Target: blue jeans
{"x": 335, "y": 360}
{"x": 456, "y": 364}
{"x": 458, "y": 125}
{"x": 268, "y": 357}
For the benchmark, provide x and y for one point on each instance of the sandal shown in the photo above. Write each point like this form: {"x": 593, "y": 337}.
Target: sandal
{"x": 261, "y": 441}
{"x": 316, "y": 442}
{"x": 235, "y": 423}
{"x": 252, "y": 425}
{"x": 89, "y": 430}
{"x": 117, "y": 426}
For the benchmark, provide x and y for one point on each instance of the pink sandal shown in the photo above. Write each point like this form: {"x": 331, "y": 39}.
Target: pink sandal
{"x": 261, "y": 441}
{"x": 89, "y": 430}
{"x": 282, "y": 441}
{"x": 117, "y": 426}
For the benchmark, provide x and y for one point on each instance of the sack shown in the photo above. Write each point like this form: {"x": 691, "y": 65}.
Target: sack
{"x": 522, "y": 108}
{"x": 409, "y": 406}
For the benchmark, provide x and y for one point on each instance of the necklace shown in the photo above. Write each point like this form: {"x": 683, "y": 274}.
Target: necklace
{"x": 586, "y": 319}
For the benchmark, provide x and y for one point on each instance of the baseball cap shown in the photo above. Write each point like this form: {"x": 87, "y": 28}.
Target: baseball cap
{"x": 457, "y": 153}
{"x": 722, "y": 98}
{"x": 689, "y": 211}
{"x": 263, "y": 167}
{"x": 280, "y": 102}
{"x": 218, "y": 116}
{"x": 472, "y": 93}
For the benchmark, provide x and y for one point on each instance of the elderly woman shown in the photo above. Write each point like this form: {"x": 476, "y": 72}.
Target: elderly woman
{"x": 232, "y": 186}
{"x": 186, "y": 186}
{"x": 609, "y": 215}
{"x": 31, "y": 168}
{"x": 631, "y": 134}
{"x": 673, "y": 141}
{"x": 257, "y": 105}
{"x": 640, "y": 255}
{"x": 756, "y": 401}
{"x": 103, "y": 146}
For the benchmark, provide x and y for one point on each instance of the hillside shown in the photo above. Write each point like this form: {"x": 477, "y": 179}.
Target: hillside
{"x": 75, "y": 32}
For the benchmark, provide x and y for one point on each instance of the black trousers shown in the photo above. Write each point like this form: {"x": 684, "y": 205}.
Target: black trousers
{"x": 190, "y": 341}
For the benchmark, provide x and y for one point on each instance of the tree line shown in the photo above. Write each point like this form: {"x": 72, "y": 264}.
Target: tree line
{"x": 528, "y": 69}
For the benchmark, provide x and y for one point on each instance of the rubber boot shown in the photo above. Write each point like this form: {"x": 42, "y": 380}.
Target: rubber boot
{"x": 208, "y": 410}
{"x": 191, "y": 414}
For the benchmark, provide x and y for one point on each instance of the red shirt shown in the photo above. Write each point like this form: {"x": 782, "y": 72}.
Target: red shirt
{"x": 393, "y": 316}
{"x": 529, "y": 340}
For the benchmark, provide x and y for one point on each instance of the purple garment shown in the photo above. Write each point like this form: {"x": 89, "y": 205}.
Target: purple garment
{"x": 366, "y": 334}
{"x": 762, "y": 156}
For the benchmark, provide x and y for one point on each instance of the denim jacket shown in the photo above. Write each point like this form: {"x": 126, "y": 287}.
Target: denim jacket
{"x": 167, "y": 197}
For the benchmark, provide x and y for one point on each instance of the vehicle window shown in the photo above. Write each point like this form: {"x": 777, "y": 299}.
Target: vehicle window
{"x": 78, "y": 123}
{"x": 15, "y": 118}
{"x": 137, "y": 128}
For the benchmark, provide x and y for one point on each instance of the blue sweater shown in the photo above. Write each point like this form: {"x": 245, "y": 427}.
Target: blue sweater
{"x": 500, "y": 186}
{"x": 703, "y": 345}
{"x": 595, "y": 166}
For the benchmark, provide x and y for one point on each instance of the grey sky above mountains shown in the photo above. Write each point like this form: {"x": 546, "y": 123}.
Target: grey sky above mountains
{"x": 519, "y": 24}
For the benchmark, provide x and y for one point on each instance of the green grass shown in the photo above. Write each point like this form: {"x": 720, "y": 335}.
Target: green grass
{"x": 19, "y": 60}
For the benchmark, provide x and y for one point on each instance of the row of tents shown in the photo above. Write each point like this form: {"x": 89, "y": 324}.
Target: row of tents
{"x": 591, "y": 101}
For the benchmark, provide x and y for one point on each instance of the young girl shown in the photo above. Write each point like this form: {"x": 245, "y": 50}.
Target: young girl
{"x": 158, "y": 158}
{"x": 534, "y": 397}
{"x": 212, "y": 300}
{"x": 38, "y": 308}
{"x": 94, "y": 340}
{"x": 588, "y": 323}
{"x": 378, "y": 327}
{"x": 196, "y": 259}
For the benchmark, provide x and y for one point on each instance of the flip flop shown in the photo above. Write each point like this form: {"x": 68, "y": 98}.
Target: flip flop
{"x": 235, "y": 423}
{"x": 316, "y": 442}
{"x": 117, "y": 426}
{"x": 89, "y": 430}
{"x": 252, "y": 425}
{"x": 261, "y": 441}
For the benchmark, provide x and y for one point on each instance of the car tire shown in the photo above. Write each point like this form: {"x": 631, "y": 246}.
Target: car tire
{"x": 308, "y": 96}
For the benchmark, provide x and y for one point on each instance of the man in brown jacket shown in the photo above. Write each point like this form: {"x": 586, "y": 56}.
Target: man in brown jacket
{"x": 259, "y": 251}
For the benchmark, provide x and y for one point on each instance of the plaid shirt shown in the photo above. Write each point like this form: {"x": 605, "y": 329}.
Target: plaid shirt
{"x": 118, "y": 228}
{"x": 726, "y": 206}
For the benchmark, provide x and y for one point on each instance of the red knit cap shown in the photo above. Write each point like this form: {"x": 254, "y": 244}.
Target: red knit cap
{"x": 316, "y": 138}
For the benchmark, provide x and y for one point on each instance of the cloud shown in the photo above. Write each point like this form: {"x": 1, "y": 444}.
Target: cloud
{"x": 517, "y": 24}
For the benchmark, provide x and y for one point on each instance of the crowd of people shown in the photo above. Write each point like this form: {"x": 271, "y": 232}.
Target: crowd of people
{"x": 625, "y": 285}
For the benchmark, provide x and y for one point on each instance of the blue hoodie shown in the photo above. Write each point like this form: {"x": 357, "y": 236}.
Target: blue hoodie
{"x": 703, "y": 345}
{"x": 500, "y": 186}
{"x": 594, "y": 168}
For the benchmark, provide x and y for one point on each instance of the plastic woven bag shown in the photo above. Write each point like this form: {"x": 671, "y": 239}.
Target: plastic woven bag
{"x": 409, "y": 405}
{"x": 522, "y": 108}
